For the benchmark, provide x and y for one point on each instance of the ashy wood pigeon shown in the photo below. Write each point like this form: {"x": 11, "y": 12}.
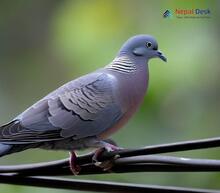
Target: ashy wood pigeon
{"x": 84, "y": 112}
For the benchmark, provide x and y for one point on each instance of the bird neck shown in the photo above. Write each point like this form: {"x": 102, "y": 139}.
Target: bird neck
{"x": 133, "y": 72}
{"x": 126, "y": 63}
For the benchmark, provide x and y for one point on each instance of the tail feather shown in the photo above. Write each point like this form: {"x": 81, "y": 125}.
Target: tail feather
{"x": 8, "y": 146}
{"x": 4, "y": 149}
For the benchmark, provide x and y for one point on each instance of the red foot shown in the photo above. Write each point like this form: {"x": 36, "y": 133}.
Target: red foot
{"x": 108, "y": 164}
{"x": 73, "y": 166}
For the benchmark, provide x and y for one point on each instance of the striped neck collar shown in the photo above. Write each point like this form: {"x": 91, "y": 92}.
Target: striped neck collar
{"x": 122, "y": 63}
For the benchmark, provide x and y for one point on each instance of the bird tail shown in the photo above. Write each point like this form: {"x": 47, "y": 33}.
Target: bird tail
{"x": 5, "y": 149}
{"x": 8, "y": 146}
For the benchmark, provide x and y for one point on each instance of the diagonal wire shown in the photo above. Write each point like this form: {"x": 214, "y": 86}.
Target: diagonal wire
{"x": 135, "y": 160}
{"x": 89, "y": 185}
{"x": 85, "y": 160}
{"x": 166, "y": 148}
{"x": 149, "y": 163}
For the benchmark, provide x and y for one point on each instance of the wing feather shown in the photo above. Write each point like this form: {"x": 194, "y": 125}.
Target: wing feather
{"x": 81, "y": 108}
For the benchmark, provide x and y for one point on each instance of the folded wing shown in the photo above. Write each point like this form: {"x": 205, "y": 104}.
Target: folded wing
{"x": 82, "y": 108}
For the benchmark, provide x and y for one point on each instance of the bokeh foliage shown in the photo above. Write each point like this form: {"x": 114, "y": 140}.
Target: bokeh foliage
{"x": 47, "y": 43}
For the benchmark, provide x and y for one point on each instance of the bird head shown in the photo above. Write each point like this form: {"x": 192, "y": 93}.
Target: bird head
{"x": 144, "y": 46}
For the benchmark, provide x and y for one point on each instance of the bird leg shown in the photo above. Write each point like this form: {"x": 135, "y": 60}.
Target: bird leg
{"x": 73, "y": 166}
{"x": 104, "y": 146}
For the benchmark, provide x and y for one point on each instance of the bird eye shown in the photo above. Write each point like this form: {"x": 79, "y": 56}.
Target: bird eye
{"x": 148, "y": 44}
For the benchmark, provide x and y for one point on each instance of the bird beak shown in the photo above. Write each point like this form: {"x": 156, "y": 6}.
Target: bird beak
{"x": 161, "y": 56}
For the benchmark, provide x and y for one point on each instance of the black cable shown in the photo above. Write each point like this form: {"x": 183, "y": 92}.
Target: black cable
{"x": 149, "y": 163}
{"x": 165, "y": 148}
{"x": 136, "y": 160}
{"x": 88, "y": 185}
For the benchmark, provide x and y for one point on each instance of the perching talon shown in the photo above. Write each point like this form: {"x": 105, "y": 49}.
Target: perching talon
{"x": 73, "y": 166}
{"x": 107, "y": 164}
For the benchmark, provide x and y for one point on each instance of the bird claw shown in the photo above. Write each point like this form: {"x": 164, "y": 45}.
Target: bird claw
{"x": 108, "y": 164}
{"x": 75, "y": 169}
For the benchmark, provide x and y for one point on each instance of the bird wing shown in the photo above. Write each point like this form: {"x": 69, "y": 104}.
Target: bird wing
{"x": 83, "y": 107}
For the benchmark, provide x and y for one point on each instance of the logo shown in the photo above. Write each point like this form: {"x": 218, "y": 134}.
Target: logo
{"x": 192, "y": 13}
{"x": 167, "y": 14}
{"x": 187, "y": 13}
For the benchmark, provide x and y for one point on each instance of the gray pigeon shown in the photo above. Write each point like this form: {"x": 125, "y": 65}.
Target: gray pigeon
{"x": 87, "y": 110}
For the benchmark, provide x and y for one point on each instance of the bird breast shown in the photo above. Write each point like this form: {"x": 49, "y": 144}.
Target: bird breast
{"x": 132, "y": 89}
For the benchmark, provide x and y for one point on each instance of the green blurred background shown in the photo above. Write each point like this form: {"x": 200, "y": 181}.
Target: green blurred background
{"x": 45, "y": 43}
